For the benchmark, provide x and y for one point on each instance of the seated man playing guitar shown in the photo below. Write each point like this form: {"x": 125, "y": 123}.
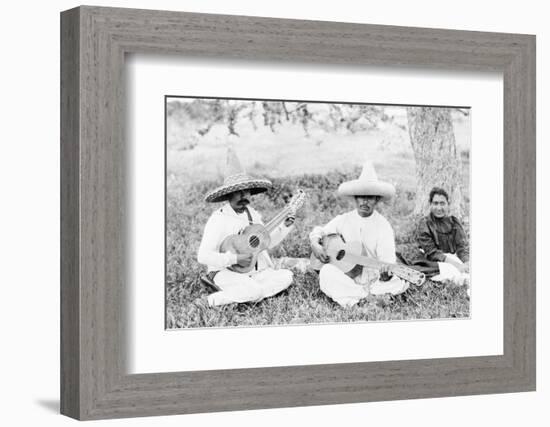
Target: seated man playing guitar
{"x": 375, "y": 241}
{"x": 247, "y": 276}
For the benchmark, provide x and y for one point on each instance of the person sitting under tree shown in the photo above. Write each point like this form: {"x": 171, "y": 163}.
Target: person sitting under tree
{"x": 443, "y": 239}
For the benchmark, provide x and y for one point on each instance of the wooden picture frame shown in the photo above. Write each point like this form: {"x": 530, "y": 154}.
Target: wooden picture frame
{"x": 94, "y": 41}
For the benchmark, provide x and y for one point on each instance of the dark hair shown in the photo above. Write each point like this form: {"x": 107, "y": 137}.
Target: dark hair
{"x": 440, "y": 191}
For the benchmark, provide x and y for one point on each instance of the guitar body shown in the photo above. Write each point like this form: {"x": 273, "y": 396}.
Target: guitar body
{"x": 337, "y": 250}
{"x": 256, "y": 238}
{"x": 251, "y": 240}
{"x": 348, "y": 255}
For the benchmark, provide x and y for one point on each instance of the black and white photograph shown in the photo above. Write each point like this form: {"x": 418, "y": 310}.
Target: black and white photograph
{"x": 275, "y": 213}
{"x": 286, "y": 212}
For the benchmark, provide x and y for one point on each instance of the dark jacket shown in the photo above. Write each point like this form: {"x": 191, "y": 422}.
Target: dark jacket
{"x": 438, "y": 236}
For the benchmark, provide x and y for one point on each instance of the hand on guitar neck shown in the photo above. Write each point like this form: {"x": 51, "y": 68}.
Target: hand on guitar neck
{"x": 255, "y": 238}
{"x": 319, "y": 249}
{"x": 349, "y": 256}
{"x": 290, "y": 220}
{"x": 385, "y": 273}
{"x": 244, "y": 259}
{"x": 319, "y": 252}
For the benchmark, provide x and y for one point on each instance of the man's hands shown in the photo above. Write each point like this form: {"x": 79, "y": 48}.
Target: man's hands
{"x": 290, "y": 220}
{"x": 244, "y": 260}
{"x": 319, "y": 251}
{"x": 385, "y": 273}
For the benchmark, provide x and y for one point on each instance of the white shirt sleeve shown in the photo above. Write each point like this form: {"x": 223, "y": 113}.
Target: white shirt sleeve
{"x": 209, "y": 253}
{"x": 385, "y": 246}
{"x": 331, "y": 227}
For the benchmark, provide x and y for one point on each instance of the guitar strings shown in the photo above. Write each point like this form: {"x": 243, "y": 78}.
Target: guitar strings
{"x": 266, "y": 231}
{"x": 271, "y": 224}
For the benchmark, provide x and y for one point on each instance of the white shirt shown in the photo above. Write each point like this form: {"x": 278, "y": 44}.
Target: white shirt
{"x": 224, "y": 222}
{"x": 374, "y": 232}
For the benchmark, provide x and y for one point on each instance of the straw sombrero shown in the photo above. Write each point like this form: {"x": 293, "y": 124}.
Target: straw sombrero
{"x": 367, "y": 185}
{"x": 236, "y": 179}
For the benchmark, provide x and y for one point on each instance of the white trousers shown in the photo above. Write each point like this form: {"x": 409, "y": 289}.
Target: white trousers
{"x": 448, "y": 272}
{"x": 347, "y": 292}
{"x": 249, "y": 287}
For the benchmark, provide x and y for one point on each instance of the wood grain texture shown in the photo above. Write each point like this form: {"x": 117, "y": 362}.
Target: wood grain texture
{"x": 94, "y": 272}
{"x": 70, "y": 221}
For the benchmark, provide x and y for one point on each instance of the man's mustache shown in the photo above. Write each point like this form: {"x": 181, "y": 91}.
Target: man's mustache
{"x": 243, "y": 202}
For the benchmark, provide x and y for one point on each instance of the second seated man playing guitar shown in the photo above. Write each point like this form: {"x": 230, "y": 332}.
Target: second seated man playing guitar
{"x": 235, "y": 240}
{"x": 348, "y": 277}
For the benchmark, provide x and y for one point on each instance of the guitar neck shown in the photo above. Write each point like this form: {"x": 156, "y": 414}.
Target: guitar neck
{"x": 277, "y": 219}
{"x": 400, "y": 271}
{"x": 365, "y": 261}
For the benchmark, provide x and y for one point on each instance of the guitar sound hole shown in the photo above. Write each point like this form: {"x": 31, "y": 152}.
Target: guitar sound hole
{"x": 254, "y": 241}
{"x": 340, "y": 254}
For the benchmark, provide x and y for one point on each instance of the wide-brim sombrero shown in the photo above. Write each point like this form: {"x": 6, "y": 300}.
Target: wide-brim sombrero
{"x": 236, "y": 179}
{"x": 238, "y": 182}
{"x": 367, "y": 184}
{"x": 367, "y": 188}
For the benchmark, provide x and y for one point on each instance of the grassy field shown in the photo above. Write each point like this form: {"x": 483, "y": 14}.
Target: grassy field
{"x": 302, "y": 302}
{"x": 293, "y": 160}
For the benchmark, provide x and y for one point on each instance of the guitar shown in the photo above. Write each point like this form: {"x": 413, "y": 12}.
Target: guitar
{"x": 346, "y": 256}
{"x": 255, "y": 238}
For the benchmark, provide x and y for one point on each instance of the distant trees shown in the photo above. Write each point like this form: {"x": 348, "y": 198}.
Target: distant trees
{"x": 206, "y": 113}
{"x": 430, "y": 130}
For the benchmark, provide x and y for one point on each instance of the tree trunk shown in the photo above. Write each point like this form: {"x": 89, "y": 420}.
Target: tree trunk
{"x": 437, "y": 162}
